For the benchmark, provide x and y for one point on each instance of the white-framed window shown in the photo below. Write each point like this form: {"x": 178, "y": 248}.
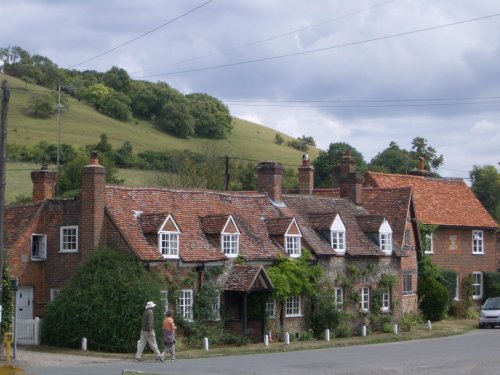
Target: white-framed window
{"x": 169, "y": 244}
{"x": 230, "y": 239}
{"x": 38, "y": 247}
{"x": 292, "y": 306}
{"x": 407, "y": 283}
{"x": 339, "y": 296}
{"x": 477, "y": 242}
{"x": 68, "y": 239}
{"x": 386, "y": 300}
{"x": 385, "y": 238}
{"x": 230, "y": 244}
{"x": 477, "y": 285}
{"x": 364, "y": 298}
{"x": 164, "y": 300}
{"x": 216, "y": 307}
{"x": 53, "y": 294}
{"x": 168, "y": 239}
{"x": 292, "y": 246}
{"x": 271, "y": 309}
{"x": 428, "y": 245}
{"x": 337, "y": 234}
{"x": 185, "y": 304}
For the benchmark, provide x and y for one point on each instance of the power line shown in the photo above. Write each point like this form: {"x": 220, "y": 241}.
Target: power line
{"x": 268, "y": 38}
{"x": 364, "y": 105}
{"x": 324, "y": 48}
{"x": 360, "y": 101}
{"x": 142, "y": 35}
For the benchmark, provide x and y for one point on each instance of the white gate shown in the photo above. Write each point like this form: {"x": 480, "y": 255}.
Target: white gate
{"x": 28, "y": 331}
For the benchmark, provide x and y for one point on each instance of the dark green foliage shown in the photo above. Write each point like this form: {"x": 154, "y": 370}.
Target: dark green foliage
{"x": 491, "y": 284}
{"x": 419, "y": 148}
{"x": 458, "y": 309}
{"x": 326, "y": 312}
{"x": 278, "y": 139}
{"x": 8, "y": 297}
{"x": 327, "y": 160}
{"x": 104, "y": 302}
{"x": 486, "y": 186}
{"x": 42, "y": 105}
{"x": 393, "y": 160}
{"x": 117, "y": 79}
{"x": 433, "y": 298}
{"x": 175, "y": 117}
{"x": 211, "y": 116}
{"x": 40, "y": 153}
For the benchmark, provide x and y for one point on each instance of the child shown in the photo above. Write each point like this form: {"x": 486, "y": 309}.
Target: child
{"x": 169, "y": 335}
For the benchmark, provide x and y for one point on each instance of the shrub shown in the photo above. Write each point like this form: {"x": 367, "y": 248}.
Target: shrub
{"x": 458, "y": 309}
{"x": 410, "y": 320}
{"x": 492, "y": 284}
{"x": 433, "y": 299}
{"x": 104, "y": 302}
{"x": 306, "y": 335}
{"x": 42, "y": 105}
{"x": 343, "y": 330}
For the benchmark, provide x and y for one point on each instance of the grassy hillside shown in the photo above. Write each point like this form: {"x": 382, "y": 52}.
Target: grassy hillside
{"x": 82, "y": 125}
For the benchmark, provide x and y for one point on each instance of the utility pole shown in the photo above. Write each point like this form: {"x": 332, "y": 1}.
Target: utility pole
{"x": 3, "y": 165}
{"x": 226, "y": 174}
{"x": 59, "y": 106}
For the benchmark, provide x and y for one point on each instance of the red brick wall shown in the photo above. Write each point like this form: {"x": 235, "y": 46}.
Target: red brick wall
{"x": 453, "y": 251}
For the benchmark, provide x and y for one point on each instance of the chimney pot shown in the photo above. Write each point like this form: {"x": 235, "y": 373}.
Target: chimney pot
{"x": 93, "y": 158}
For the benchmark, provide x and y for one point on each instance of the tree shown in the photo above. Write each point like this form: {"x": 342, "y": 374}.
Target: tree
{"x": 392, "y": 160}
{"x": 278, "y": 139}
{"x": 106, "y": 100}
{"x": 117, "y": 79}
{"x": 103, "y": 302}
{"x": 42, "y": 105}
{"x": 175, "y": 117}
{"x": 211, "y": 116}
{"x": 486, "y": 186}
{"x": 326, "y": 160}
{"x": 419, "y": 148}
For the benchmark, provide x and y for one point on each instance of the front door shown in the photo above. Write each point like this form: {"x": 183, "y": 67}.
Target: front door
{"x": 24, "y": 302}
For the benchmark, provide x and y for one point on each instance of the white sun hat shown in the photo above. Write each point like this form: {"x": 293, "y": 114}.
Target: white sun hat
{"x": 150, "y": 304}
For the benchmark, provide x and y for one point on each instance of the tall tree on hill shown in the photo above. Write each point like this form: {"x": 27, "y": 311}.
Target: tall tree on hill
{"x": 486, "y": 186}
{"x": 175, "y": 117}
{"x": 324, "y": 163}
{"x": 211, "y": 116}
{"x": 118, "y": 79}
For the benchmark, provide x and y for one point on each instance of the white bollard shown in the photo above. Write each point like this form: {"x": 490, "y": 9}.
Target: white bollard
{"x": 84, "y": 343}
{"x": 363, "y": 331}
{"x": 287, "y": 338}
{"x": 266, "y": 341}
{"x": 395, "y": 329}
{"x": 327, "y": 334}
{"x": 429, "y": 325}
{"x": 205, "y": 344}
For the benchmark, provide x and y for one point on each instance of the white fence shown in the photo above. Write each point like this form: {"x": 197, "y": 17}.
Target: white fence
{"x": 28, "y": 331}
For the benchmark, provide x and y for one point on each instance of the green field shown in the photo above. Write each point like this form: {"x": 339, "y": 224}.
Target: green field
{"x": 81, "y": 125}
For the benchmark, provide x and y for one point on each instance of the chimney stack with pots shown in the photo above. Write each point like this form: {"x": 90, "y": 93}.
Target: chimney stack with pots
{"x": 306, "y": 176}
{"x": 269, "y": 179}
{"x": 351, "y": 182}
{"x": 44, "y": 183}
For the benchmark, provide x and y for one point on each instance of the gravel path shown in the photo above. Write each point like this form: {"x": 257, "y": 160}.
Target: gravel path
{"x": 28, "y": 358}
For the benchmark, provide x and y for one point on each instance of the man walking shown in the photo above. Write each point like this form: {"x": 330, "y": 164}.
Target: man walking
{"x": 148, "y": 334}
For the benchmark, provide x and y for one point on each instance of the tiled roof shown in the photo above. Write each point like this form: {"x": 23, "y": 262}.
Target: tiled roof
{"x": 213, "y": 224}
{"x": 370, "y": 223}
{"x": 193, "y": 211}
{"x": 18, "y": 217}
{"x": 393, "y": 204}
{"x": 438, "y": 201}
{"x": 308, "y": 209}
{"x": 245, "y": 277}
{"x": 278, "y": 227}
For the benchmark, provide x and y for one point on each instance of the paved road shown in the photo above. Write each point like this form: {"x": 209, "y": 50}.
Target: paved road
{"x": 477, "y": 352}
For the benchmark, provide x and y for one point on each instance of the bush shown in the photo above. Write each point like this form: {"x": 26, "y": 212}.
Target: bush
{"x": 458, "y": 309}
{"x": 410, "y": 320}
{"x": 433, "y": 299}
{"x": 104, "y": 302}
{"x": 388, "y": 328}
{"x": 42, "y": 105}
{"x": 492, "y": 284}
{"x": 343, "y": 330}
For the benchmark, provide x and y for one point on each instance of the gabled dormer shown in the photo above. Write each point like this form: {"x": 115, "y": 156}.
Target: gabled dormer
{"x": 337, "y": 235}
{"x": 230, "y": 239}
{"x": 385, "y": 237}
{"x": 292, "y": 240}
{"x": 168, "y": 238}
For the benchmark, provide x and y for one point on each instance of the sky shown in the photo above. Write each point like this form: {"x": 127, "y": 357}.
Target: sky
{"x": 364, "y": 72}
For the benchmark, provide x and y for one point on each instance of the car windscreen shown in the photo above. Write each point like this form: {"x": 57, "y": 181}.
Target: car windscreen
{"x": 492, "y": 304}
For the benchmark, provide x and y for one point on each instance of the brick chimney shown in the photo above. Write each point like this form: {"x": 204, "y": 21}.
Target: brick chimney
{"x": 92, "y": 202}
{"x": 44, "y": 183}
{"x": 351, "y": 182}
{"x": 421, "y": 170}
{"x": 269, "y": 179}
{"x": 306, "y": 176}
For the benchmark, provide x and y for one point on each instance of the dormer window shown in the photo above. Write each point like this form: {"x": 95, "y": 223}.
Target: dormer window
{"x": 168, "y": 239}
{"x": 337, "y": 233}
{"x": 385, "y": 238}
{"x": 293, "y": 237}
{"x": 230, "y": 239}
